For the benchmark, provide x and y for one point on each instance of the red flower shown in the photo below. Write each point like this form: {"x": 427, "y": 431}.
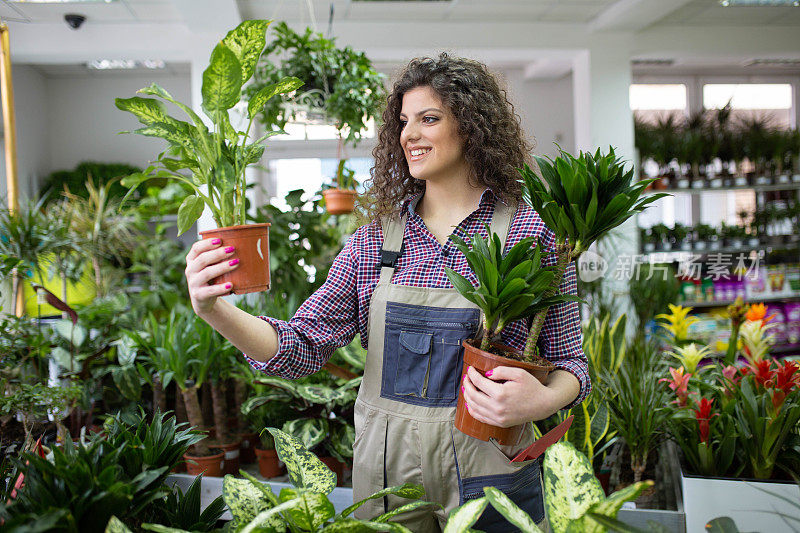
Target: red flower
{"x": 679, "y": 384}
{"x": 785, "y": 378}
{"x": 704, "y": 416}
{"x": 763, "y": 372}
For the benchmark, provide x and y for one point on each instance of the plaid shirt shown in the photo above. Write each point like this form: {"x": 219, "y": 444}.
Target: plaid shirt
{"x": 339, "y": 309}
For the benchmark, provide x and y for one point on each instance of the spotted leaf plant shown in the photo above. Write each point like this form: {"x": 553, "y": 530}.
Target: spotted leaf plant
{"x": 580, "y": 199}
{"x": 510, "y": 287}
{"x": 210, "y": 161}
{"x": 574, "y": 499}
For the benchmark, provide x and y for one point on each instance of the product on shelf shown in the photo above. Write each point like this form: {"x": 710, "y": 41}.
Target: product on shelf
{"x": 792, "y": 313}
{"x": 778, "y": 322}
{"x": 793, "y": 278}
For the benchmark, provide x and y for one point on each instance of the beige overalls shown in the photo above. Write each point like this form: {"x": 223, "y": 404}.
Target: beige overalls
{"x": 406, "y": 404}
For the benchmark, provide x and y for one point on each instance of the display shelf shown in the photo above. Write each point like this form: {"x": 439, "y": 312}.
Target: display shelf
{"x": 794, "y": 185}
{"x": 725, "y": 303}
{"x": 785, "y": 348}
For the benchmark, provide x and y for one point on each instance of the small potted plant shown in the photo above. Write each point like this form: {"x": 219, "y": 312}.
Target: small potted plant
{"x": 680, "y": 235}
{"x": 340, "y": 199}
{"x": 580, "y": 200}
{"x": 660, "y": 233}
{"x": 213, "y": 162}
{"x": 732, "y": 236}
{"x": 648, "y": 239}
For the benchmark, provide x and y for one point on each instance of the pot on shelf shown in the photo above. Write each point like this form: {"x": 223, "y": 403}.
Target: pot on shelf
{"x": 336, "y": 466}
{"x": 269, "y": 465}
{"x": 208, "y": 465}
{"x": 484, "y": 361}
{"x": 231, "y": 451}
{"x": 339, "y": 201}
{"x": 247, "y": 451}
{"x": 252, "y": 249}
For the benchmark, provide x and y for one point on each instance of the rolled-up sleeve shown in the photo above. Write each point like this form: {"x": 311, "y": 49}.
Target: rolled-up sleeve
{"x": 327, "y": 320}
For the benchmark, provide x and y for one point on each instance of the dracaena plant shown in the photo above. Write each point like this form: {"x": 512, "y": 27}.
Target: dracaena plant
{"x": 212, "y": 162}
{"x": 509, "y": 288}
{"x": 580, "y": 199}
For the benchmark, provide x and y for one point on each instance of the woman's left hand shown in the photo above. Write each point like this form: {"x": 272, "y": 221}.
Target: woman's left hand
{"x": 519, "y": 399}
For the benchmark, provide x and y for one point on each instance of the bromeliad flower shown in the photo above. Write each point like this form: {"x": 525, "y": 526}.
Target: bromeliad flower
{"x": 756, "y": 339}
{"x": 677, "y": 322}
{"x": 690, "y": 356}
{"x": 679, "y": 383}
{"x": 703, "y": 416}
{"x": 762, "y": 372}
{"x": 785, "y": 378}
{"x": 758, "y": 312}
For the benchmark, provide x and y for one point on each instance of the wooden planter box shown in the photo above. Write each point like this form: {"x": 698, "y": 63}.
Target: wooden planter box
{"x": 752, "y": 509}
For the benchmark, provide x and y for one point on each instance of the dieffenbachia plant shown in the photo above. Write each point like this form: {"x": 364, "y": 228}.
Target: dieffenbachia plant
{"x": 509, "y": 288}
{"x": 211, "y": 162}
{"x": 574, "y": 499}
{"x": 580, "y": 199}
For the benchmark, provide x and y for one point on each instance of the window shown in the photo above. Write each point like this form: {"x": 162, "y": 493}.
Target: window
{"x": 309, "y": 174}
{"x": 657, "y": 97}
{"x": 298, "y": 131}
{"x": 770, "y": 101}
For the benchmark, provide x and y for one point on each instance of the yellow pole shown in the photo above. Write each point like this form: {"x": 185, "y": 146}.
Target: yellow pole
{"x": 10, "y": 138}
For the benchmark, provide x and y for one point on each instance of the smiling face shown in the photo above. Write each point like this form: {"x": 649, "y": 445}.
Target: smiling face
{"x": 429, "y": 137}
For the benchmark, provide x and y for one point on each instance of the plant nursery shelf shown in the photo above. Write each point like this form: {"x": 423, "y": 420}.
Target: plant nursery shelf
{"x": 725, "y": 303}
{"x": 786, "y": 348}
{"x": 758, "y": 188}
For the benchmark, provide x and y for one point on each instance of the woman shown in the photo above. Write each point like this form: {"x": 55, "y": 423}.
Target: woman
{"x": 445, "y": 164}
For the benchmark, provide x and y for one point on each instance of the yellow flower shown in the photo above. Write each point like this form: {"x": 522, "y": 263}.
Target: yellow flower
{"x": 678, "y": 321}
{"x": 690, "y": 356}
{"x": 756, "y": 342}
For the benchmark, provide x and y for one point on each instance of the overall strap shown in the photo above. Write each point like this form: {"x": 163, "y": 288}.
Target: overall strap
{"x": 393, "y": 246}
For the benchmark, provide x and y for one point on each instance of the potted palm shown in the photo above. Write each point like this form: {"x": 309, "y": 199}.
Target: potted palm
{"x": 342, "y": 89}
{"x": 213, "y": 162}
{"x": 580, "y": 199}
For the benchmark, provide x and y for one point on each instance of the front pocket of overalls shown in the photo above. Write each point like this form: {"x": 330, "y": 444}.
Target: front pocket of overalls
{"x": 523, "y": 487}
{"x": 422, "y": 354}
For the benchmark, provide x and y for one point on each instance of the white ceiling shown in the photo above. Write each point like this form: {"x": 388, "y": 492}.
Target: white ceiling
{"x": 166, "y": 26}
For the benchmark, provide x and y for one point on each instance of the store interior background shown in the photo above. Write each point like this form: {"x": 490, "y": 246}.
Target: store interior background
{"x": 568, "y": 64}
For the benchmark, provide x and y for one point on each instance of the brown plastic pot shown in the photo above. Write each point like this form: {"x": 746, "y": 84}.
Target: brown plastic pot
{"x": 269, "y": 465}
{"x": 247, "y": 451}
{"x": 339, "y": 201}
{"x": 482, "y": 362}
{"x": 231, "y": 451}
{"x": 337, "y": 466}
{"x": 252, "y": 250}
{"x": 209, "y": 465}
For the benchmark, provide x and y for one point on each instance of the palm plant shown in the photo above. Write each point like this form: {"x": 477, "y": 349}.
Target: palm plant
{"x": 580, "y": 199}
{"x": 509, "y": 288}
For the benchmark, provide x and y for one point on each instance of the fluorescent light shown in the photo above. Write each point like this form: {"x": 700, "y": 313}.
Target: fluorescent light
{"x": 759, "y": 3}
{"x": 125, "y": 64}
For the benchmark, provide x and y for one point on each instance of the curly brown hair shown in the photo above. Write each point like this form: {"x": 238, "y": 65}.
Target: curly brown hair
{"x": 494, "y": 144}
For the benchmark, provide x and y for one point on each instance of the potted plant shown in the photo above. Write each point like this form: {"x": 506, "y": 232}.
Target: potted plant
{"x": 732, "y": 235}
{"x": 340, "y": 198}
{"x": 648, "y": 239}
{"x": 706, "y": 237}
{"x": 342, "y": 89}
{"x": 680, "y": 235}
{"x": 580, "y": 199}
{"x": 216, "y": 159}
{"x": 661, "y": 235}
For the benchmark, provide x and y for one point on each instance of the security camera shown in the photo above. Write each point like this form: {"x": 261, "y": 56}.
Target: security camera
{"x": 74, "y": 20}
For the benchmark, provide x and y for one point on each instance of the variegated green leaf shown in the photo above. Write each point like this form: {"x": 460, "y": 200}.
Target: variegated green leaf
{"x": 263, "y": 487}
{"x": 570, "y": 487}
{"x": 404, "y": 509}
{"x": 65, "y": 359}
{"x": 312, "y": 509}
{"x": 343, "y": 437}
{"x": 352, "y": 525}
{"x": 260, "y": 99}
{"x": 309, "y": 431}
{"x": 168, "y": 132}
{"x": 115, "y": 525}
{"x": 264, "y": 520}
{"x": 257, "y": 401}
{"x": 510, "y": 510}
{"x": 305, "y": 468}
{"x": 319, "y": 393}
{"x": 463, "y": 518}
{"x": 409, "y": 490}
{"x": 127, "y": 380}
{"x": 246, "y": 501}
{"x": 190, "y": 210}
{"x": 247, "y": 41}
{"x": 222, "y": 80}
{"x": 158, "y": 528}
{"x": 610, "y": 506}
{"x": 147, "y": 110}
{"x": 75, "y": 334}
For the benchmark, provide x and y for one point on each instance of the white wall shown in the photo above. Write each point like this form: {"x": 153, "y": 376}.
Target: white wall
{"x": 84, "y": 122}
{"x": 33, "y": 150}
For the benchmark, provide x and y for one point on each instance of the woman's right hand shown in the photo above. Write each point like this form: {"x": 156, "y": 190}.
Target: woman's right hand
{"x": 206, "y": 260}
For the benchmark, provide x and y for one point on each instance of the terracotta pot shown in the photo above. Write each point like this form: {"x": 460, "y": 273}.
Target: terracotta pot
{"x": 209, "y": 465}
{"x": 339, "y": 201}
{"x": 247, "y": 451}
{"x": 484, "y": 361}
{"x": 252, "y": 250}
{"x": 268, "y": 463}
{"x": 231, "y": 450}
{"x": 337, "y": 466}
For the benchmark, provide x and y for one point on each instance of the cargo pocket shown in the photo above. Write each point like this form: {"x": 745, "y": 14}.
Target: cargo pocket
{"x": 413, "y": 360}
{"x": 445, "y": 368}
{"x": 523, "y": 487}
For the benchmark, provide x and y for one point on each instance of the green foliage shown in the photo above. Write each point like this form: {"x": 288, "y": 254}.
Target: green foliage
{"x": 510, "y": 287}
{"x": 583, "y": 198}
{"x": 301, "y": 239}
{"x": 75, "y": 180}
{"x": 340, "y": 83}
{"x": 651, "y": 290}
{"x": 217, "y": 158}
{"x": 36, "y": 400}
{"x": 182, "y": 511}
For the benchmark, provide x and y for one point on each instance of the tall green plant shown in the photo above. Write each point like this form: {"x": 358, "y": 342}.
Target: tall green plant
{"x": 215, "y": 160}
{"x": 580, "y": 200}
